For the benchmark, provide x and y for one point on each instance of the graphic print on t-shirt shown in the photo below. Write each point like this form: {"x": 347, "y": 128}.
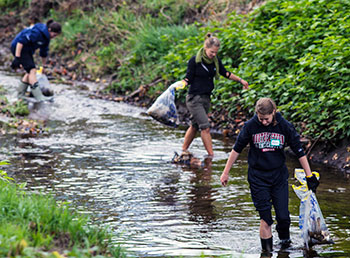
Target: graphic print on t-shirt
{"x": 268, "y": 141}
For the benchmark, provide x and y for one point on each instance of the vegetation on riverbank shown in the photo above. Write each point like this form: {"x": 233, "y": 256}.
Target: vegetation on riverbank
{"x": 13, "y": 117}
{"x": 296, "y": 52}
{"x": 35, "y": 225}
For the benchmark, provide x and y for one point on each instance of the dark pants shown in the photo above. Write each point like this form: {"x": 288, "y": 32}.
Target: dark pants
{"x": 26, "y": 59}
{"x": 270, "y": 188}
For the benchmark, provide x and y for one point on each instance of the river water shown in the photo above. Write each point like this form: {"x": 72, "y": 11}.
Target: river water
{"x": 113, "y": 163}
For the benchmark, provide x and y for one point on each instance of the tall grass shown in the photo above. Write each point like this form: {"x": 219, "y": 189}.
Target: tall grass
{"x": 129, "y": 42}
{"x": 33, "y": 224}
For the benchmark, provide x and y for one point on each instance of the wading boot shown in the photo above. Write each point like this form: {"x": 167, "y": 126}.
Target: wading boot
{"x": 284, "y": 237}
{"x": 285, "y": 243}
{"x": 266, "y": 245}
{"x": 38, "y": 95}
{"x": 22, "y": 89}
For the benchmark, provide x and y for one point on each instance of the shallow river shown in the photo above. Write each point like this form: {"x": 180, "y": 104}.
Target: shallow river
{"x": 113, "y": 163}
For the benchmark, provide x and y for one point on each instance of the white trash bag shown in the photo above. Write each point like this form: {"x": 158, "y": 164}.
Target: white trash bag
{"x": 44, "y": 83}
{"x": 314, "y": 230}
{"x": 164, "y": 108}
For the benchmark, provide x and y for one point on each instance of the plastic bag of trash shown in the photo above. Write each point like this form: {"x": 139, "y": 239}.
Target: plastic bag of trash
{"x": 44, "y": 83}
{"x": 311, "y": 222}
{"x": 164, "y": 108}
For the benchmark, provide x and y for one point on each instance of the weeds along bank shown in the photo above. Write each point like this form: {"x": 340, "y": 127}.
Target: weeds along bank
{"x": 296, "y": 52}
{"x": 35, "y": 225}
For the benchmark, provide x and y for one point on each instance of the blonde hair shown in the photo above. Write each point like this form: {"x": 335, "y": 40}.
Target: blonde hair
{"x": 211, "y": 41}
{"x": 265, "y": 106}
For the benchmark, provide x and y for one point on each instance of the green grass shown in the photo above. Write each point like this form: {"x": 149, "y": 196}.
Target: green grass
{"x": 35, "y": 225}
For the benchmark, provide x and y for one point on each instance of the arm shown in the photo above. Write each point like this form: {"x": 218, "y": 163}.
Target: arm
{"x": 234, "y": 77}
{"x": 305, "y": 165}
{"x": 232, "y": 159}
{"x": 242, "y": 141}
{"x": 311, "y": 180}
{"x": 16, "y": 63}
{"x": 44, "y": 51}
{"x": 19, "y": 47}
{"x": 191, "y": 69}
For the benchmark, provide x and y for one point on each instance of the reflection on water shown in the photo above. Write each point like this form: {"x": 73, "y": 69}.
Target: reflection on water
{"x": 113, "y": 163}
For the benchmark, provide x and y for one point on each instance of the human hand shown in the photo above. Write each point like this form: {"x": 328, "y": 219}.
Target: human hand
{"x": 224, "y": 179}
{"x": 16, "y": 63}
{"x": 312, "y": 183}
{"x": 245, "y": 84}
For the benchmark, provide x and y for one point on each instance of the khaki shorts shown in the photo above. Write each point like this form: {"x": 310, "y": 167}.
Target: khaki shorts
{"x": 198, "y": 105}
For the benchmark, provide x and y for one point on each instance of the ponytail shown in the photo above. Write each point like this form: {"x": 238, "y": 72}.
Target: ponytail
{"x": 211, "y": 41}
{"x": 54, "y": 26}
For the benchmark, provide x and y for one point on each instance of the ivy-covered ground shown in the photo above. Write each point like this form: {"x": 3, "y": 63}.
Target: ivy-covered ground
{"x": 296, "y": 52}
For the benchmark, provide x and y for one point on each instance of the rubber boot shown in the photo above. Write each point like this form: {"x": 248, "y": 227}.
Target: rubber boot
{"x": 22, "y": 89}
{"x": 284, "y": 236}
{"x": 285, "y": 243}
{"x": 38, "y": 95}
{"x": 266, "y": 245}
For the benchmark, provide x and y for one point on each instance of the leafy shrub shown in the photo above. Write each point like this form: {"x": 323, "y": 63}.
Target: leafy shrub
{"x": 147, "y": 50}
{"x": 8, "y": 4}
{"x": 296, "y": 52}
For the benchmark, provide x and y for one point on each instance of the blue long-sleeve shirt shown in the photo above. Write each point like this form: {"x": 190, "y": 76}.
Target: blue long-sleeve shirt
{"x": 32, "y": 38}
{"x": 267, "y": 143}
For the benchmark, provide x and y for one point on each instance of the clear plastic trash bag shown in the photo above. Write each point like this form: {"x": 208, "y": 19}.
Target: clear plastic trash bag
{"x": 314, "y": 230}
{"x": 164, "y": 108}
{"x": 44, "y": 83}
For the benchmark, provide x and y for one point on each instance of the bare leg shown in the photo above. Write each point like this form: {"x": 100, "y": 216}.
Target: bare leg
{"x": 266, "y": 237}
{"x": 206, "y": 138}
{"x": 265, "y": 230}
{"x": 32, "y": 77}
{"x": 189, "y": 136}
{"x": 25, "y": 78}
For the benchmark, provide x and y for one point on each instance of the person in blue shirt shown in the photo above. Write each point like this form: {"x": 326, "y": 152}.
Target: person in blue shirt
{"x": 268, "y": 133}
{"x": 201, "y": 71}
{"x": 23, "y": 48}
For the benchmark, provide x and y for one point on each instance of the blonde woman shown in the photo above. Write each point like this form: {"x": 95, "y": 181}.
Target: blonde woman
{"x": 201, "y": 71}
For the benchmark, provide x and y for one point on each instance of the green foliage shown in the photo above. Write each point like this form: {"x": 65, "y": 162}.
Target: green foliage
{"x": 124, "y": 35}
{"x": 148, "y": 48}
{"x": 30, "y": 223}
{"x": 11, "y": 4}
{"x": 301, "y": 60}
{"x": 297, "y": 52}
{"x": 3, "y": 174}
{"x": 19, "y": 107}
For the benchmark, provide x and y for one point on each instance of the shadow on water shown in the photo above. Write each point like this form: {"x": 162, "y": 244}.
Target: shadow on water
{"x": 113, "y": 163}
